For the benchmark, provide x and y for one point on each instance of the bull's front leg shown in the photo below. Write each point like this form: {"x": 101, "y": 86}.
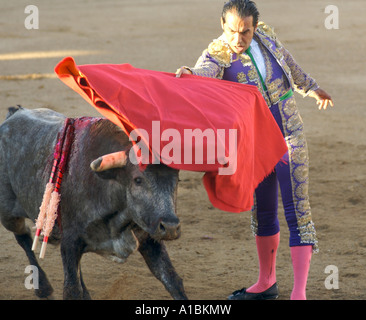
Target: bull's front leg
{"x": 71, "y": 252}
{"x": 157, "y": 259}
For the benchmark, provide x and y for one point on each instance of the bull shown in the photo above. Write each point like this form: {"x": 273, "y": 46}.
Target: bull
{"x": 112, "y": 208}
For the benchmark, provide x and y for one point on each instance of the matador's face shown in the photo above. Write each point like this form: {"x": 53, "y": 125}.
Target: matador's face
{"x": 239, "y": 32}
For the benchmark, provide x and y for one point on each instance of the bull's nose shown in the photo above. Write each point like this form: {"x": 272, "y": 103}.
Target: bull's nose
{"x": 168, "y": 230}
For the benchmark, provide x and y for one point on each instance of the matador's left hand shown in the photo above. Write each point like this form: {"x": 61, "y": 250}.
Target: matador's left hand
{"x": 322, "y": 98}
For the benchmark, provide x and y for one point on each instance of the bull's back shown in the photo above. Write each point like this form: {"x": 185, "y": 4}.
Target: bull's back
{"x": 27, "y": 139}
{"x": 27, "y": 136}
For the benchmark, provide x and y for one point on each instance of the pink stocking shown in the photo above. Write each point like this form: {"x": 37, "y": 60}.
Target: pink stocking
{"x": 301, "y": 257}
{"x": 267, "y": 249}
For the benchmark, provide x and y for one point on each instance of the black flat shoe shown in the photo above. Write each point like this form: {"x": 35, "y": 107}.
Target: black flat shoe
{"x": 270, "y": 293}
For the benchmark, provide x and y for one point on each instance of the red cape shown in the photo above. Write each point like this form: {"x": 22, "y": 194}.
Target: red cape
{"x": 133, "y": 98}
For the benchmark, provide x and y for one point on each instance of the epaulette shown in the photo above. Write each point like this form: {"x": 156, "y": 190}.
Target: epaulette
{"x": 220, "y": 51}
{"x": 266, "y": 30}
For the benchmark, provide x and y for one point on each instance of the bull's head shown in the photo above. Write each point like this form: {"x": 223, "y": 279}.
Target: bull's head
{"x": 150, "y": 194}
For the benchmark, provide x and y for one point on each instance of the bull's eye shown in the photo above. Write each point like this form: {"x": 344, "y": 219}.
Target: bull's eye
{"x": 138, "y": 181}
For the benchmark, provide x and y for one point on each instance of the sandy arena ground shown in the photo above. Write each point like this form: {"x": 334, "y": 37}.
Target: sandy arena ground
{"x": 216, "y": 253}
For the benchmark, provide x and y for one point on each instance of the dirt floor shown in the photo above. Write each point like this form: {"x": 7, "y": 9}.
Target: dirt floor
{"x": 216, "y": 253}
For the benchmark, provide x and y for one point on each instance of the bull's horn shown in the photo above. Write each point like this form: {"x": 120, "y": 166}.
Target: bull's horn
{"x": 109, "y": 161}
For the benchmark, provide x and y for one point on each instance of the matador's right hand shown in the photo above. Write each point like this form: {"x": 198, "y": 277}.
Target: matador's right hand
{"x": 182, "y": 70}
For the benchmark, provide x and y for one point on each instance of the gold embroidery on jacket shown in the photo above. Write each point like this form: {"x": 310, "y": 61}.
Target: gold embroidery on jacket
{"x": 242, "y": 78}
{"x": 221, "y": 52}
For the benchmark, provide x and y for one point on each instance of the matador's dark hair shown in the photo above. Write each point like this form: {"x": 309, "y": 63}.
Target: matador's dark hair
{"x": 244, "y": 8}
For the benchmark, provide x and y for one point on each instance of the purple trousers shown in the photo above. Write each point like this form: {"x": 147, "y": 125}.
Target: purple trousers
{"x": 291, "y": 178}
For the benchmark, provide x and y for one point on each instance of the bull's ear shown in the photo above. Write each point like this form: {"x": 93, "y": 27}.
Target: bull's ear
{"x": 109, "y": 161}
